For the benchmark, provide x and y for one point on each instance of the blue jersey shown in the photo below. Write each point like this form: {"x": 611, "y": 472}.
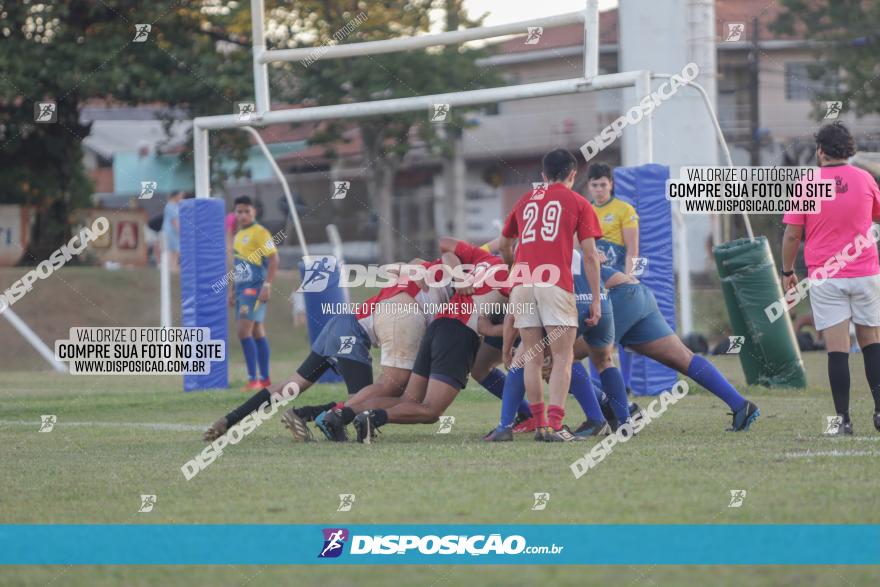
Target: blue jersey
{"x": 582, "y": 294}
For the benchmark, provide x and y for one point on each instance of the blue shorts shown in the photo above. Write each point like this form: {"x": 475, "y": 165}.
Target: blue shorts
{"x": 246, "y": 307}
{"x": 343, "y": 338}
{"x": 637, "y": 319}
{"x": 602, "y": 334}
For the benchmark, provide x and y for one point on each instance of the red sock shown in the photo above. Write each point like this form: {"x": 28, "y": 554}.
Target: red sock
{"x": 538, "y": 414}
{"x": 555, "y": 415}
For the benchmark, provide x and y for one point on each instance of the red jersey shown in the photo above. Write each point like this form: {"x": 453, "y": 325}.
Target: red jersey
{"x": 546, "y": 221}
{"x": 468, "y": 309}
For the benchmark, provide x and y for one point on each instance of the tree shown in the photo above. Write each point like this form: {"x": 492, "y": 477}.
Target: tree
{"x": 71, "y": 51}
{"x": 848, "y": 54}
{"x": 386, "y": 139}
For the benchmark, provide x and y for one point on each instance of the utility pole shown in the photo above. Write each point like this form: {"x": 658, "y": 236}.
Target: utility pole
{"x": 754, "y": 104}
{"x": 455, "y": 165}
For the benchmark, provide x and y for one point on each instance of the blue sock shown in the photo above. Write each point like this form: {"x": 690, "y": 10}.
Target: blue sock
{"x": 705, "y": 373}
{"x": 612, "y": 382}
{"x": 513, "y": 398}
{"x": 582, "y": 390}
{"x": 263, "y": 355}
{"x": 250, "y": 356}
{"x": 494, "y": 383}
{"x": 626, "y": 365}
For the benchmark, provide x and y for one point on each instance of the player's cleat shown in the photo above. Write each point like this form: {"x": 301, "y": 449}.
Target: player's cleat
{"x": 561, "y": 435}
{"x": 634, "y": 410}
{"x": 330, "y": 423}
{"x": 592, "y": 428}
{"x": 877, "y": 421}
{"x": 265, "y": 382}
{"x": 215, "y": 430}
{"x": 297, "y": 426}
{"x": 527, "y": 425}
{"x": 539, "y": 433}
{"x": 366, "y": 428}
{"x": 744, "y": 417}
{"x": 505, "y": 435}
{"x": 253, "y": 385}
{"x": 839, "y": 427}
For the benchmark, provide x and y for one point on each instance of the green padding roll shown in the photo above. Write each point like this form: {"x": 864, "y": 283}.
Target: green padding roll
{"x": 770, "y": 354}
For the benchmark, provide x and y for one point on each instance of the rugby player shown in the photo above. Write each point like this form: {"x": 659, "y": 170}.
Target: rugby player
{"x": 620, "y": 235}
{"x": 545, "y": 221}
{"x": 255, "y": 262}
{"x": 344, "y": 346}
{"x": 600, "y": 338}
{"x": 639, "y": 325}
{"x": 445, "y": 355}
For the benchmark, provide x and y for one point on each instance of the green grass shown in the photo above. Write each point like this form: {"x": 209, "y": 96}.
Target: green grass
{"x": 679, "y": 470}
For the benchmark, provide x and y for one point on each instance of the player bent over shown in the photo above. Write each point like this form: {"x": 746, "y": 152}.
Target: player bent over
{"x": 394, "y": 321}
{"x": 639, "y": 325}
{"x": 445, "y": 357}
{"x": 546, "y": 221}
{"x": 344, "y": 346}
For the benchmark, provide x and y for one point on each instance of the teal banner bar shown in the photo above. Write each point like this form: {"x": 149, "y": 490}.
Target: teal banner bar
{"x": 160, "y": 544}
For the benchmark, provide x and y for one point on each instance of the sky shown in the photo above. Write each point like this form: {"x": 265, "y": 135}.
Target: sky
{"x": 504, "y": 11}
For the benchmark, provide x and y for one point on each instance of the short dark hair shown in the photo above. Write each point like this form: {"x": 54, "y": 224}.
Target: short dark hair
{"x": 598, "y": 171}
{"x": 835, "y": 141}
{"x": 246, "y": 200}
{"x": 558, "y": 163}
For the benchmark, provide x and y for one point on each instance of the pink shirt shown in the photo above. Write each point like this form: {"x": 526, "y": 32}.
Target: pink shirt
{"x": 230, "y": 223}
{"x": 842, "y": 220}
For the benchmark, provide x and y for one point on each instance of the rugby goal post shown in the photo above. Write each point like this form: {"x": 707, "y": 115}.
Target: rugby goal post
{"x": 640, "y": 80}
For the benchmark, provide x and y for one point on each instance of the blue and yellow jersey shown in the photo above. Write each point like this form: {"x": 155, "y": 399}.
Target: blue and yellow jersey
{"x": 615, "y": 215}
{"x": 252, "y": 248}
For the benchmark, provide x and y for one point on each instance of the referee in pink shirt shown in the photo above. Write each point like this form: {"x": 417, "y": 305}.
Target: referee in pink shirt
{"x": 853, "y": 291}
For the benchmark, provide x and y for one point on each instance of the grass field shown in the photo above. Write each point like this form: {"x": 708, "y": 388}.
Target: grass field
{"x": 119, "y": 437}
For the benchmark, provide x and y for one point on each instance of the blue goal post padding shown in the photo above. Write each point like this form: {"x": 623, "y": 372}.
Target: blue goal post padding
{"x": 644, "y": 187}
{"x": 203, "y": 265}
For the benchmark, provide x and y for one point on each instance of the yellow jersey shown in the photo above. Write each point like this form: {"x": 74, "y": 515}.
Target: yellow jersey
{"x": 615, "y": 215}
{"x": 252, "y": 248}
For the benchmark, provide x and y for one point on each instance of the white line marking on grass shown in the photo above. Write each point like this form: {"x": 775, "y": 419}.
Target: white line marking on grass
{"x": 146, "y": 425}
{"x": 831, "y": 453}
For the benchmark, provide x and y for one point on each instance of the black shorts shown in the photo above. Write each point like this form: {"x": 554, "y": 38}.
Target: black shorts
{"x": 356, "y": 375}
{"x": 447, "y": 352}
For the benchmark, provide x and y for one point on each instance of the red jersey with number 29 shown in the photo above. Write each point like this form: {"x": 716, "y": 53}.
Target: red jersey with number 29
{"x": 546, "y": 221}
